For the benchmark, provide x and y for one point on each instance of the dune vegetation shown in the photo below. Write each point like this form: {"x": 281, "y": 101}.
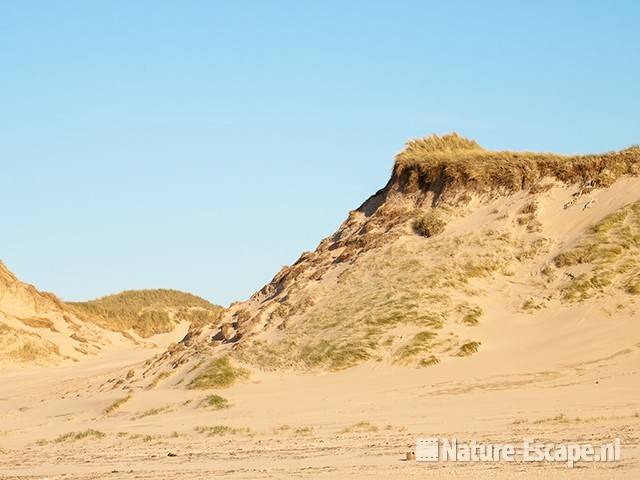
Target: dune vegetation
{"x": 147, "y": 312}
{"x": 611, "y": 251}
{"x": 218, "y": 373}
{"x": 455, "y": 162}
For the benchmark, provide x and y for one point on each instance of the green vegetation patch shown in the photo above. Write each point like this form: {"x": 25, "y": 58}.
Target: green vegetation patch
{"x": 219, "y": 373}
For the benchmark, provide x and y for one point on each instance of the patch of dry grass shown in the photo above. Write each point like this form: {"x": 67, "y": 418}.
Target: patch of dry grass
{"x": 360, "y": 427}
{"x": 469, "y": 348}
{"x": 429, "y": 224}
{"x": 612, "y": 251}
{"x": 152, "y": 411}
{"x": 19, "y": 345}
{"x": 400, "y": 285}
{"x": 454, "y": 163}
{"x": 117, "y": 404}
{"x": 147, "y": 312}
{"x": 221, "y": 430}
{"x": 219, "y": 373}
{"x": 39, "y": 322}
{"x": 215, "y": 401}
{"x": 419, "y": 344}
{"x": 75, "y": 436}
{"x": 158, "y": 378}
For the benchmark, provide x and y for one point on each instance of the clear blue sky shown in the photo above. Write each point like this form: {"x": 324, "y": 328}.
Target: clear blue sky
{"x": 201, "y": 145}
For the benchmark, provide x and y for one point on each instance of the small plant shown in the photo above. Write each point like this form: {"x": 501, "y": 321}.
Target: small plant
{"x": 151, "y": 412}
{"x": 471, "y": 314}
{"x": 429, "y": 224}
{"x": 161, "y": 376}
{"x": 360, "y": 427}
{"x": 468, "y": 348}
{"x": 117, "y": 404}
{"x": 282, "y": 428}
{"x": 220, "y": 430}
{"x": 218, "y": 374}
{"x": 560, "y": 418}
{"x": 429, "y": 361}
{"x": 530, "y": 304}
{"x": 303, "y": 431}
{"x": 529, "y": 208}
{"x": 216, "y": 402}
{"x": 420, "y": 343}
{"x": 73, "y": 436}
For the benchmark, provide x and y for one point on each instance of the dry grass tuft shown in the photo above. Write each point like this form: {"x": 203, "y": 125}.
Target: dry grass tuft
{"x": 429, "y": 224}
{"x": 152, "y": 411}
{"x": 468, "y": 348}
{"x": 117, "y": 404}
{"x": 216, "y": 402}
{"x": 360, "y": 427}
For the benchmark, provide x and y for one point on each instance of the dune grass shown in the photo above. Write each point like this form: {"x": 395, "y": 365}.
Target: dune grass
{"x": 219, "y": 373}
{"x": 419, "y": 344}
{"x": 151, "y": 412}
{"x": 216, "y": 402}
{"x": 429, "y": 224}
{"x": 75, "y": 436}
{"x": 468, "y": 348}
{"x": 21, "y": 346}
{"x": 400, "y": 285}
{"x": 147, "y": 312}
{"x": 221, "y": 430}
{"x": 360, "y": 427}
{"x": 39, "y": 322}
{"x": 455, "y": 162}
{"x": 611, "y": 250}
{"x": 117, "y": 404}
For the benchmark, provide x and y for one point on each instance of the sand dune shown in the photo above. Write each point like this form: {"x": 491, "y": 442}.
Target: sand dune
{"x": 476, "y": 311}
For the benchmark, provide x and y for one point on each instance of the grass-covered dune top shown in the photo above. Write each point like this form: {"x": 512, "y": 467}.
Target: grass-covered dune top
{"x": 455, "y": 162}
{"x": 148, "y": 312}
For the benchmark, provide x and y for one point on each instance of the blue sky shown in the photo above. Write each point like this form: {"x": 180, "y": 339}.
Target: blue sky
{"x": 202, "y": 145}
